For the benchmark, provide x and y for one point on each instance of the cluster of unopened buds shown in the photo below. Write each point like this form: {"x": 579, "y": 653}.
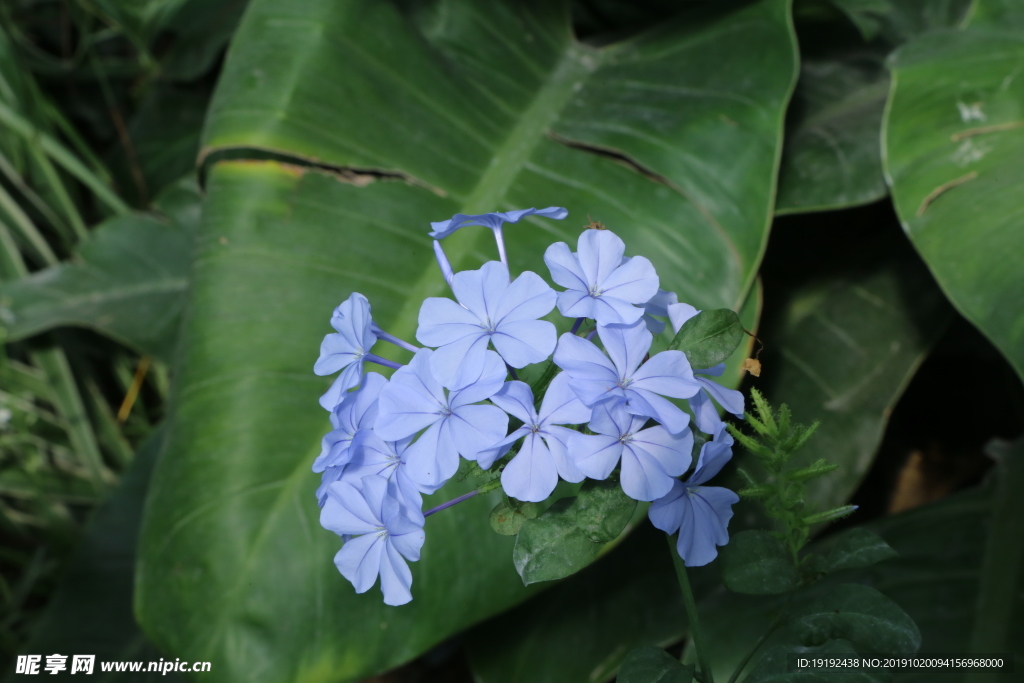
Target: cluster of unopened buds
{"x": 607, "y": 410}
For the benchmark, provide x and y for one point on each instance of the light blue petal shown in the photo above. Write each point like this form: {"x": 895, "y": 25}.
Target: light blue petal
{"x": 641, "y": 476}
{"x": 705, "y": 524}
{"x": 460, "y": 363}
{"x": 531, "y": 475}
{"x": 594, "y": 455}
{"x": 433, "y": 457}
{"x": 666, "y": 513}
{"x": 561, "y": 406}
{"x": 649, "y": 404}
{"x": 523, "y": 342}
{"x": 442, "y": 321}
{"x": 667, "y": 373}
{"x": 347, "y": 511}
{"x": 634, "y": 281}
{"x": 611, "y": 419}
{"x": 600, "y": 254}
{"x": 610, "y": 310}
{"x": 730, "y": 399}
{"x": 582, "y": 360}
{"x": 679, "y": 314}
{"x": 442, "y": 229}
{"x": 359, "y": 561}
{"x": 565, "y": 268}
{"x": 411, "y": 401}
{"x": 672, "y": 451}
{"x": 557, "y": 440}
{"x": 486, "y": 457}
{"x": 494, "y": 283}
{"x": 705, "y": 414}
{"x": 483, "y": 385}
{"x": 409, "y": 544}
{"x": 528, "y": 297}
{"x": 574, "y": 303}
{"x": 626, "y": 345}
{"x": 395, "y": 577}
{"x": 516, "y": 399}
{"x": 713, "y": 457}
{"x": 659, "y": 303}
{"x": 476, "y": 428}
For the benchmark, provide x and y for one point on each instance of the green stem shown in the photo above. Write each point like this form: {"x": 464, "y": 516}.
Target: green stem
{"x": 691, "y": 611}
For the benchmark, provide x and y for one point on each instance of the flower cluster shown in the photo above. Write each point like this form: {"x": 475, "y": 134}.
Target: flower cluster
{"x": 609, "y": 408}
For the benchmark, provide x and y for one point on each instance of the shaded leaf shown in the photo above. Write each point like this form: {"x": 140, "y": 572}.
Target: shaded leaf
{"x": 129, "y": 283}
{"x": 603, "y": 510}
{"x": 853, "y": 549}
{"x": 653, "y": 665}
{"x": 506, "y": 520}
{"x": 954, "y": 153}
{"x": 862, "y": 615}
{"x": 773, "y": 666}
{"x": 709, "y": 338}
{"x": 552, "y": 546}
{"x": 757, "y": 563}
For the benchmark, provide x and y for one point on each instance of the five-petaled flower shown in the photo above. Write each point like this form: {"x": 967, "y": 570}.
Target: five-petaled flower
{"x": 699, "y": 513}
{"x": 491, "y": 310}
{"x": 542, "y": 458}
{"x": 619, "y": 376}
{"x": 599, "y": 284}
{"x": 384, "y": 533}
{"x": 414, "y": 400}
{"x": 650, "y": 458}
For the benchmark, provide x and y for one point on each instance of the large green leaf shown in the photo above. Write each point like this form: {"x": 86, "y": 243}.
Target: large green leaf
{"x": 832, "y": 157}
{"x": 842, "y": 341}
{"x": 129, "y": 280}
{"x": 472, "y": 103}
{"x": 954, "y": 157}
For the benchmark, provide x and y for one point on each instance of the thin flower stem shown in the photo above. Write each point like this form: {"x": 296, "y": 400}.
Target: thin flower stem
{"x": 381, "y": 334}
{"x": 691, "y": 612}
{"x": 372, "y": 358}
{"x": 576, "y": 325}
{"x": 453, "y": 501}
{"x": 500, "y": 239}
{"x": 442, "y": 261}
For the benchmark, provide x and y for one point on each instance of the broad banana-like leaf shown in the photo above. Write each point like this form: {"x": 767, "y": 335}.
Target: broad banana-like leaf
{"x": 954, "y": 158}
{"x": 670, "y": 137}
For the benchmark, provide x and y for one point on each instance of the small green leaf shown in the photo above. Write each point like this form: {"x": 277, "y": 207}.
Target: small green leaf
{"x": 773, "y": 666}
{"x": 552, "y": 546}
{"x": 603, "y": 510}
{"x": 757, "y": 563}
{"x": 506, "y": 520}
{"x": 709, "y": 337}
{"x": 862, "y": 615}
{"x": 853, "y": 549}
{"x": 653, "y": 665}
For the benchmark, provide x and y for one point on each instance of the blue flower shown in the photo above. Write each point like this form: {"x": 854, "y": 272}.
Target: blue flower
{"x": 704, "y": 411}
{"x": 414, "y": 400}
{"x": 494, "y": 221}
{"x": 533, "y": 473}
{"x": 622, "y": 379}
{"x": 384, "y": 534}
{"x": 699, "y": 513}
{"x": 389, "y": 460}
{"x": 658, "y": 305}
{"x": 599, "y": 284}
{"x": 346, "y": 349}
{"x": 351, "y": 418}
{"x": 651, "y": 458}
{"x": 490, "y": 310}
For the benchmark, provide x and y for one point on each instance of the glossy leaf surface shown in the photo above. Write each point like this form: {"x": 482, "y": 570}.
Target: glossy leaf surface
{"x": 281, "y": 247}
{"x": 954, "y": 156}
